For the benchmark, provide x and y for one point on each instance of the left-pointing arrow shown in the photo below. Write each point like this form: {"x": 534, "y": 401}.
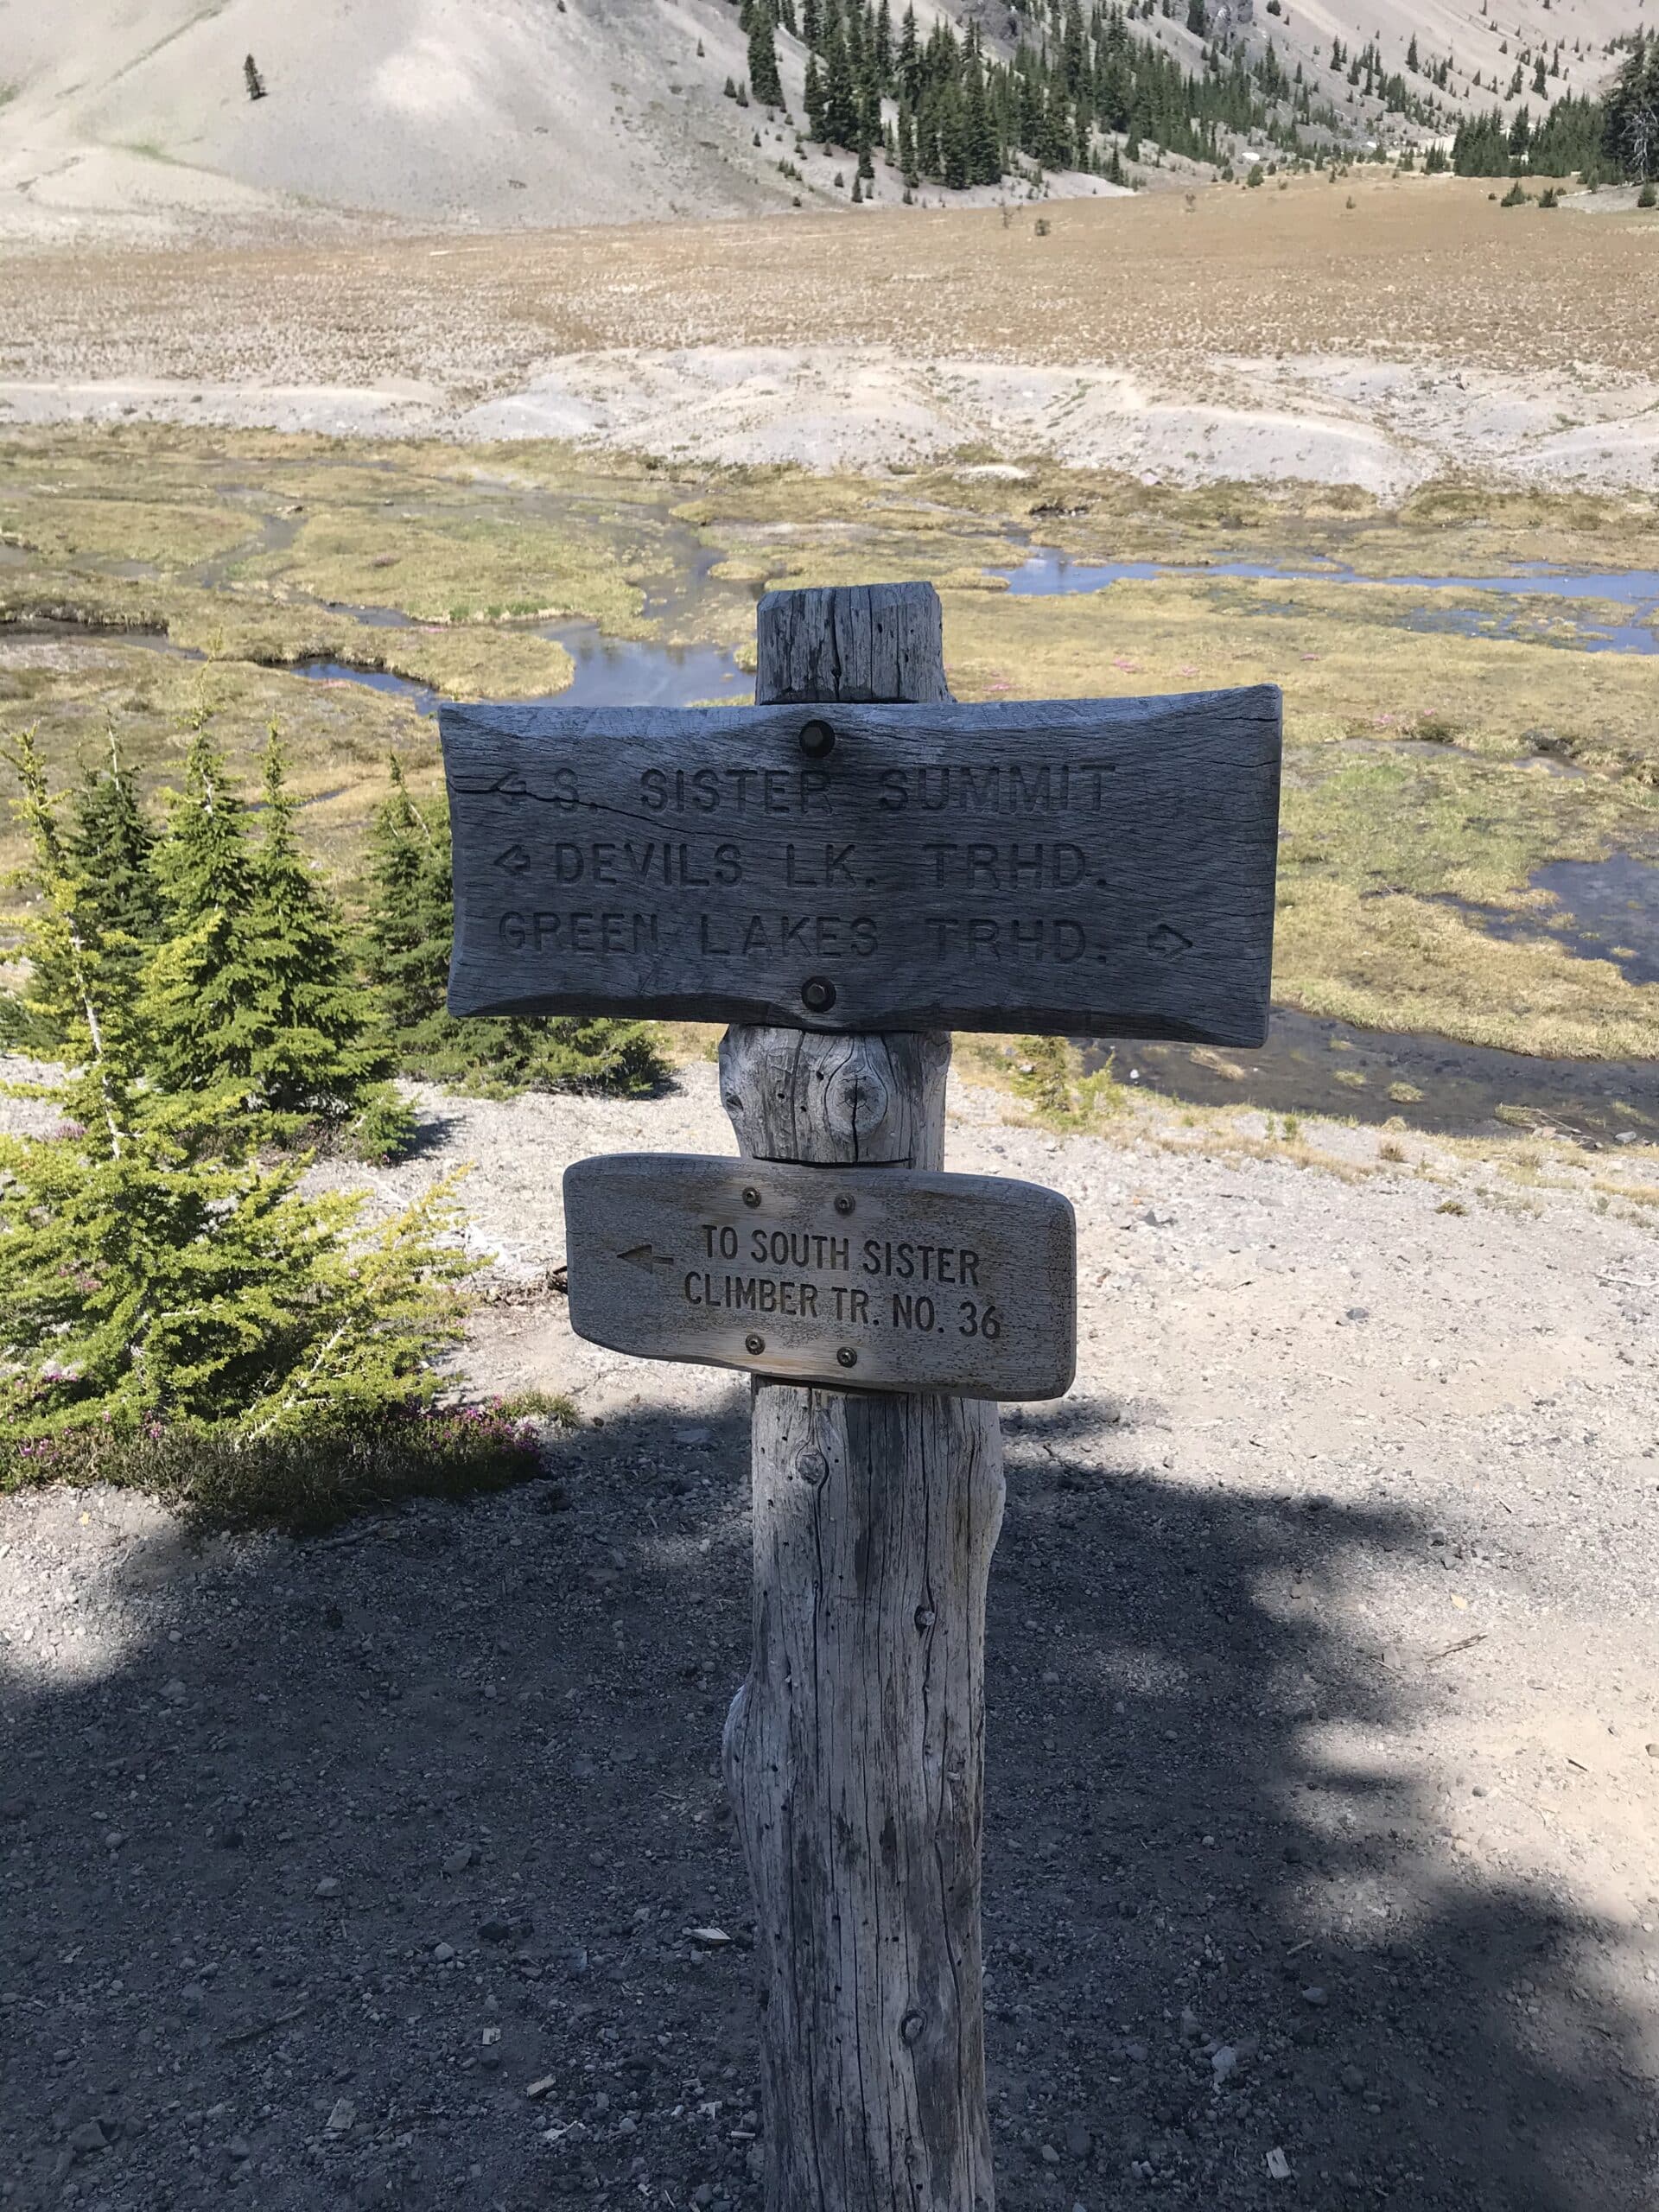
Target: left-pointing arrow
{"x": 515, "y": 860}
{"x": 642, "y": 1255}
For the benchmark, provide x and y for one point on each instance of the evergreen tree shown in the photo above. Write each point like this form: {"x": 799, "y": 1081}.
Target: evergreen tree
{"x": 840, "y": 100}
{"x": 251, "y": 992}
{"x": 909, "y": 63}
{"x": 408, "y": 929}
{"x": 110, "y": 848}
{"x": 153, "y": 1272}
{"x": 1632, "y": 112}
{"x": 200, "y": 988}
{"x": 315, "y": 1048}
{"x": 764, "y": 80}
{"x": 980, "y": 149}
{"x": 813, "y": 99}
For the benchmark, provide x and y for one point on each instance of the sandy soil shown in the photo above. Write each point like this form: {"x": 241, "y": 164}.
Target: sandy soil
{"x": 1324, "y": 1739}
{"x": 1252, "y": 335}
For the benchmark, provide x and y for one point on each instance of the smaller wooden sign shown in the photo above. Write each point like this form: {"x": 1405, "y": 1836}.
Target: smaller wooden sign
{"x": 869, "y": 1279}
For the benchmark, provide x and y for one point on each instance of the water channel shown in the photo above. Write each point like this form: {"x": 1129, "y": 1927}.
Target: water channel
{"x": 1609, "y": 909}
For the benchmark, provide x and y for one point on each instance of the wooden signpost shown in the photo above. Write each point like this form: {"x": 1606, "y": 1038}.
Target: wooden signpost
{"x": 860, "y": 878}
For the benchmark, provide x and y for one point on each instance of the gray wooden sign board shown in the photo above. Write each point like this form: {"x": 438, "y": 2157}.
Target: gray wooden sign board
{"x": 874, "y": 1278}
{"x": 1100, "y": 867}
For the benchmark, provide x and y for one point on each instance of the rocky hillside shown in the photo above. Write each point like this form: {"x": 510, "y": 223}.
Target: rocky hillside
{"x": 520, "y": 113}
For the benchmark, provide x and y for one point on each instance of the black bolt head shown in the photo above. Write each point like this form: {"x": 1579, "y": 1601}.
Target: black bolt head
{"x": 817, "y": 995}
{"x": 846, "y": 1356}
{"x": 751, "y": 1197}
{"x": 817, "y": 740}
{"x": 843, "y": 1204}
{"x": 754, "y": 1342}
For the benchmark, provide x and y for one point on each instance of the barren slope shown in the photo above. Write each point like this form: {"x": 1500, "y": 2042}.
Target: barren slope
{"x": 497, "y": 112}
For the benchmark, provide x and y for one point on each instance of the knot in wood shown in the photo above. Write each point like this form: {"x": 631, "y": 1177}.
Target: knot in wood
{"x": 912, "y": 2026}
{"x": 812, "y": 1466}
{"x": 856, "y": 1099}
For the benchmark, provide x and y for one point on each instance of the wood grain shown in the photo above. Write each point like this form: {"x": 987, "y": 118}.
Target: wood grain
{"x": 872, "y": 1278}
{"x": 1103, "y": 867}
{"x": 862, "y": 1717}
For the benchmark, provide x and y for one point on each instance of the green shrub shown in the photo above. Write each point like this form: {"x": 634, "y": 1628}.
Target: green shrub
{"x": 302, "y": 1482}
{"x": 1046, "y": 1075}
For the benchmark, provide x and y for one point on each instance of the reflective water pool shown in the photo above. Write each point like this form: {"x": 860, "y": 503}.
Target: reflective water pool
{"x": 1048, "y": 573}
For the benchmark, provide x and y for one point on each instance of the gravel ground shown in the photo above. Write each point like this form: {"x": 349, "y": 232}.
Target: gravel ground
{"x": 1323, "y": 1715}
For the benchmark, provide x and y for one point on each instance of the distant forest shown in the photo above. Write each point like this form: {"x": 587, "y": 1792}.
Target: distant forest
{"x": 1618, "y": 136}
{"x": 1076, "y": 85}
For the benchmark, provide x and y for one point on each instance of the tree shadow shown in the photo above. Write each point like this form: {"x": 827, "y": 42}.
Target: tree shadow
{"x": 378, "y": 1885}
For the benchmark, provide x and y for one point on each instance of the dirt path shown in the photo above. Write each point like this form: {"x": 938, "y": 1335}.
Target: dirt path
{"x": 1321, "y": 1805}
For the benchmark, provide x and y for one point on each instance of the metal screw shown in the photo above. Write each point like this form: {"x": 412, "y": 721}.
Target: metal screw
{"x": 817, "y": 995}
{"x": 751, "y": 1197}
{"x": 817, "y": 739}
{"x": 753, "y": 1343}
{"x": 846, "y": 1356}
{"x": 843, "y": 1204}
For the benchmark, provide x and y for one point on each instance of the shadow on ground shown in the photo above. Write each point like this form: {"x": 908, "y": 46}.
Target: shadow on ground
{"x": 375, "y": 1886}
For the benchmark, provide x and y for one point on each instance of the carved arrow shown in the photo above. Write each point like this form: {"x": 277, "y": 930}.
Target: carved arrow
{"x": 642, "y": 1255}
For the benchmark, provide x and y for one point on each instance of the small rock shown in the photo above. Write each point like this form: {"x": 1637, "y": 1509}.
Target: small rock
{"x": 443, "y": 1953}
{"x": 1137, "y": 2053}
{"x": 495, "y": 1931}
{"x": 231, "y": 1839}
{"x": 1223, "y": 2062}
{"x": 88, "y": 2138}
{"x": 327, "y": 1887}
{"x": 1359, "y": 1313}
{"x": 459, "y": 1861}
{"x": 1078, "y": 2141}
{"x": 1352, "y": 2080}
{"x": 239, "y": 2148}
{"x": 1315, "y": 1996}
{"x": 113, "y": 1838}
{"x": 540, "y": 2088}
{"x": 1050, "y": 2155}
{"x": 342, "y": 2119}
{"x": 1652, "y": 1751}
{"x": 692, "y": 1436}
{"x": 175, "y": 1691}
{"x": 711, "y": 1939}
{"x": 1278, "y": 2165}
{"x": 1189, "y": 2022}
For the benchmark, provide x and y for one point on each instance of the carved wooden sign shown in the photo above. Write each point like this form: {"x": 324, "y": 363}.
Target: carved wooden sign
{"x": 1098, "y": 867}
{"x": 874, "y": 1279}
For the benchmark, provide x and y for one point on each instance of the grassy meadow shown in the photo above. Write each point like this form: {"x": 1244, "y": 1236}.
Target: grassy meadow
{"x": 145, "y": 570}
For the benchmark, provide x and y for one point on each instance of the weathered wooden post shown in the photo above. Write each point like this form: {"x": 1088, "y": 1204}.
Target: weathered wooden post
{"x": 854, "y": 1751}
{"x": 850, "y": 886}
